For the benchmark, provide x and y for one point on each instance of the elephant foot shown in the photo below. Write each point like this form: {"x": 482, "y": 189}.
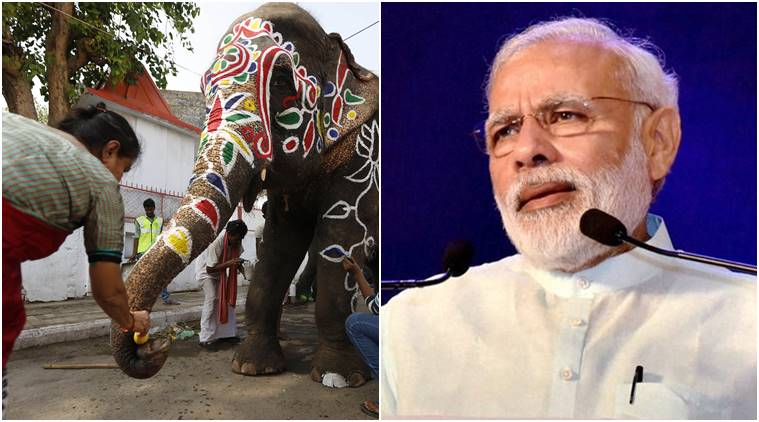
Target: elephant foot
{"x": 258, "y": 356}
{"x": 343, "y": 360}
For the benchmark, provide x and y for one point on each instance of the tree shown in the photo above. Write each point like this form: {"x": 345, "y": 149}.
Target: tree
{"x": 50, "y": 41}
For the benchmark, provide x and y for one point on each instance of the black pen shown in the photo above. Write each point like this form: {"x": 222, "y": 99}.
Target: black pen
{"x": 636, "y": 379}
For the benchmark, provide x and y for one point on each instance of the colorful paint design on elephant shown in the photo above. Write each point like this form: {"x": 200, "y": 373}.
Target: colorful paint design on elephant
{"x": 249, "y": 53}
{"x": 341, "y": 96}
{"x": 367, "y": 174}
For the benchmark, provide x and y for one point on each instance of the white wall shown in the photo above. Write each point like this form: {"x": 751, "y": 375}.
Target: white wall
{"x": 168, "y": 155}
{"x": 60, "y": 276}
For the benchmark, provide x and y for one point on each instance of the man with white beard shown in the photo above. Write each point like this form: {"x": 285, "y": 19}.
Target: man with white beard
{"x": 579, "y": 118}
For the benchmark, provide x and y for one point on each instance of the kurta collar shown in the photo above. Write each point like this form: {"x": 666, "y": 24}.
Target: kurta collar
{"x": 618, "y": 272}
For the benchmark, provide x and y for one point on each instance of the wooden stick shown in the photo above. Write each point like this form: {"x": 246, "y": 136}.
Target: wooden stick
{"x": 80, "y": 366}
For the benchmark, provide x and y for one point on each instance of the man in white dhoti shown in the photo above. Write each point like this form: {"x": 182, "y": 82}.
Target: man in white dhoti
{"x": 218, "y": 276}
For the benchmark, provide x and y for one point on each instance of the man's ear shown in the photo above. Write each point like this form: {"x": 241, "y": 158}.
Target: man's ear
{"x": 661, "y": 140}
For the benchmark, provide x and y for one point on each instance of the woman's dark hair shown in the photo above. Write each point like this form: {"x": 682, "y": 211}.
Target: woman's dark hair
{"x": 237, "y": 228}
{"x": 94, "y": 126}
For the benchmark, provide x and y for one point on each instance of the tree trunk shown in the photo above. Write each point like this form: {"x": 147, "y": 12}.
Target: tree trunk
{"x": 56, "y": 59}
{"x": 17, "y": 91}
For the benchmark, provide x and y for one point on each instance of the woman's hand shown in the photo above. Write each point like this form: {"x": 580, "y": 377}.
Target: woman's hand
{"x": 350, "y": 265}
{"x": 355, "y": 271}
{"x": 141, "y": 321}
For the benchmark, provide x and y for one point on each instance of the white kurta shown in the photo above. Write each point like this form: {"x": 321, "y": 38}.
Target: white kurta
{"x": 210, "y": 329}
{"x": 508, "y": 340}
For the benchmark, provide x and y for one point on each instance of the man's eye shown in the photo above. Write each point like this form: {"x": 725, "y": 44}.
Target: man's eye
{"x": 505, "y": 132}
{"x": 508, "y": 130}
{"x": 560, "y": 116}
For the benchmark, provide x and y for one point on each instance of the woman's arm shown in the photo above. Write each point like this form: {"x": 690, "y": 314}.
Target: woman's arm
{"x": 110, "y": 294}
{"x": 350, "y": 265}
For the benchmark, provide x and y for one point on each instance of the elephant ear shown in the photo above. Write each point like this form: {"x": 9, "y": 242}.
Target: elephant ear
{"x": 358, "y": 71}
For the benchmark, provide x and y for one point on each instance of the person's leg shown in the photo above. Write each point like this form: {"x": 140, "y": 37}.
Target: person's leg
{"x": 24, "y": 238}
{"x": 363, "y": 331}
{"x": 228, "y": 330}
{"x": 208, "y": 314}
{"x": 14, "y": 248}
{"x": 165, "y": 295}
{"x": 14, "y": 315}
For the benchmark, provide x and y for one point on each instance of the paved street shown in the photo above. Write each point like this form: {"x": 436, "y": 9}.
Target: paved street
{"x": 194, "y": 383}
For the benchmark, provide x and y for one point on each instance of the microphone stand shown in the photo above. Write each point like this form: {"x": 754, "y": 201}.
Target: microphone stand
{"x": 731, "y": 265}
{"x": 403, "y": 284}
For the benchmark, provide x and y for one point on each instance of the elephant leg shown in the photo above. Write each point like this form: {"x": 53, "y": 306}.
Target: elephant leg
{"x": 347, "y": 224}
{"x": 336, "y": 300}
{"x": 286, "y": 240}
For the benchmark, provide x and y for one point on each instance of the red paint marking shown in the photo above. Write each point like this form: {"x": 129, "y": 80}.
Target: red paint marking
{"x": 308, "y": 139}
{"x": 214, "y": 118}
{"x": 249, "y": 134}
{"x": 287, "y": 101}
{"x": 337, "y": 109}
{"x": 248, "y": 33}
{"x": 206, "y": 207}
{"x": 311, "y": 95}
{"x": 263, "y": 147}
{"x": 342, "y": 72}
{"x": 236, "y": 68}
{"x": 290, "y": 145}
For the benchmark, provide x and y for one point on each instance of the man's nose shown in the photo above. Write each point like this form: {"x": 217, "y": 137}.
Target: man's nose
{"x": 534, "y": 145}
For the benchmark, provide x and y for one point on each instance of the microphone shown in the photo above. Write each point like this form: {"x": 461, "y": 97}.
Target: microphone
{"x": 608, "y": 230}
{"x": 457, "y": 259}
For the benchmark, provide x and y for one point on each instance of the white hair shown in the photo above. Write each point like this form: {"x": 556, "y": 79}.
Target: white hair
{"x": 643, "y": 75}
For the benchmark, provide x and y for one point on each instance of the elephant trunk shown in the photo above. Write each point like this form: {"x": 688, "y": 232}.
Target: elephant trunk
{"x": 223, "y": 174}
{"x": 138, "y": 361}
{"x": 189, "y": 232}
{"x": 144, "y": 284}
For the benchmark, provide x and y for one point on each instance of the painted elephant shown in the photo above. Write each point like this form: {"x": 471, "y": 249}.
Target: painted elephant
{"x": 289, "y": 111}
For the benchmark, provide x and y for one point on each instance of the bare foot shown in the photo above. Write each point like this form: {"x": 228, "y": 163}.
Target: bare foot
{"x": 370, "y": 408}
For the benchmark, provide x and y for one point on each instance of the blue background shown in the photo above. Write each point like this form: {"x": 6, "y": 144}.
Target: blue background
{"x": 435, "y": 182}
